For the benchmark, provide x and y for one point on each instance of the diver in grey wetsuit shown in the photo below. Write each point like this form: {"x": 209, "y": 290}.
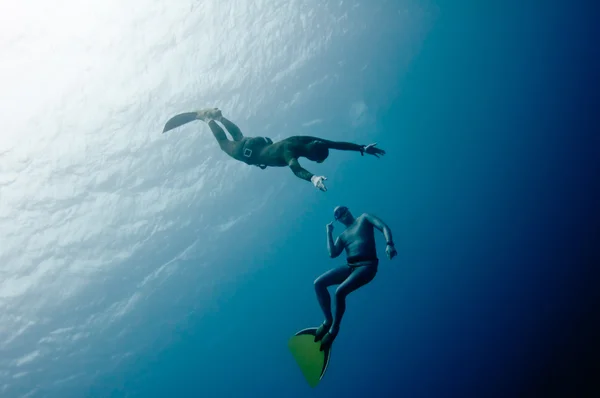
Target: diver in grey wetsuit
{"x": 263, "y": 152}
{"x": 358, "y": 239}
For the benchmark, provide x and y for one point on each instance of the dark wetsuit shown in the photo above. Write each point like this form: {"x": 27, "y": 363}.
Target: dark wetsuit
{"x": 263, "y": 152}
{"x": 244, "y": 149}
{"x": 358, "y": 240}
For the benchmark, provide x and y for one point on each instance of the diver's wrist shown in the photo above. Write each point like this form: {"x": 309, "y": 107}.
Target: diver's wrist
{"x": 390, "y": 243}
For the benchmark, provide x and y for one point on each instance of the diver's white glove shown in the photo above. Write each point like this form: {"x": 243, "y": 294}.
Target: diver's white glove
{"x": 318, "y": 182}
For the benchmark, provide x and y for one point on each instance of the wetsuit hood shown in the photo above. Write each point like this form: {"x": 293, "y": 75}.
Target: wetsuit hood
{"x": 317, "y": 151}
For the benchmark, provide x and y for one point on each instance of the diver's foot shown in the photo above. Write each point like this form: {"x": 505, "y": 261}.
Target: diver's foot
{"x": 322, "y": 331}
{"x": 328, "y": 340}
{"x": 206, "y": 115}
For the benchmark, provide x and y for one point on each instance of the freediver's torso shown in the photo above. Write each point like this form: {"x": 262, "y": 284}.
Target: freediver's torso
{"x": 278, "y": 153}
{"x": 359, "y": 238}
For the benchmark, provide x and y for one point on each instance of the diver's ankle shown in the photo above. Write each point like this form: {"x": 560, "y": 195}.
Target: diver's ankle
{"x": 334, "y": 330}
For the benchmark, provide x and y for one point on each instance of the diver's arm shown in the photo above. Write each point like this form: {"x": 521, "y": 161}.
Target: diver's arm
{"x": 298, "y": 170}
{"x": 334, "y": 248}
{"x": 380, "y": 225}
{"x": 344, "y": 146}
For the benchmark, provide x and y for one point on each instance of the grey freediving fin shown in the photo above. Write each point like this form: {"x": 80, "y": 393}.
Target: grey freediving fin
{"x": 179, "y": 120}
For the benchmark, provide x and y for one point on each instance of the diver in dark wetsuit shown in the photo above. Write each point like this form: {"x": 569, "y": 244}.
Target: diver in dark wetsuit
{"x": 358, "y": 239}
{"x": 263, "y": 152}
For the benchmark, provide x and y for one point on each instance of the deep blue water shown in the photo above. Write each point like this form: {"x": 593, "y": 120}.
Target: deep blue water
{"x": 489, "y": 186}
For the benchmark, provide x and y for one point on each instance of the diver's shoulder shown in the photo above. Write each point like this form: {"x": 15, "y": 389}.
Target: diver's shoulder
{"x": 363, "y": 217}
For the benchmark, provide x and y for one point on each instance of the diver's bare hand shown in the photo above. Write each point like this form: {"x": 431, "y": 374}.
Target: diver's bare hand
{"x": 329, "y": 227}
{"x": 318, "y": 182}
{"x": 390, "y": 250}
{"x": 371, "y": 150}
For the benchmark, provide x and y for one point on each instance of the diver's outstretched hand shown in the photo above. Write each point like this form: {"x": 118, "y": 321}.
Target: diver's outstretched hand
{"x": 371, "y": 150}
{"x": 318, "y": 182}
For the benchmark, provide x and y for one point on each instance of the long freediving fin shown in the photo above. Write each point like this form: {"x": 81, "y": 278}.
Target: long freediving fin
{"x": 308, "y": 355}
{"x": 179, "y": 120}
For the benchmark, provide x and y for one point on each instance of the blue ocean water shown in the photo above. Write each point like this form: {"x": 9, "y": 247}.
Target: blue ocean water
{"x": 487, "y": 185}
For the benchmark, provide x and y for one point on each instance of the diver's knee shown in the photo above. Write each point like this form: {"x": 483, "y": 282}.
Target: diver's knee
{"x": 319, "y": 284}
{"x": 340, "y": 293}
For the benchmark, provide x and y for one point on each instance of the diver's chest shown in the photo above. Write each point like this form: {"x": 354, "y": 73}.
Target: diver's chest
{"x": 355, "y": 229}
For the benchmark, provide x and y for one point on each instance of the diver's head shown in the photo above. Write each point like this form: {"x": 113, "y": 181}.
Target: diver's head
{"x": 317, "y": 151}
{"x": 343, "y": 215}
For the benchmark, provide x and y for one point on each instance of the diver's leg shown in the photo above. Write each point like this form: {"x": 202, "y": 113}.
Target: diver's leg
{"x": 229, "y": 147}
{"x": 215, "y": 114}
{"x": 232, "y": 128}
{"x": 217, "y": 131}
{"x": 358, "y": 278}
{"x": 332, "y": 277}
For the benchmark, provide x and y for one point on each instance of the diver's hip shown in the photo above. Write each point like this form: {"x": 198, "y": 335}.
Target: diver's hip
{"x": 362, "y": 260}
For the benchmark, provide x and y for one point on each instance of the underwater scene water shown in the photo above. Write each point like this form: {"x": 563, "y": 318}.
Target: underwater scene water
{"x": 140, "y": 264}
